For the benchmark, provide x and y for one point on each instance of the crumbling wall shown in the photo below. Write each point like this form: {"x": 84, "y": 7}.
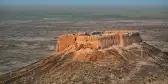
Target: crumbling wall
{"x": 65, "y": 41}
{"x": 88, "y": 41}
{"x": 97, "y": 42}
{"x": 126, "y": 37}
{"x": 129, "y": 38}
{"x": 119, "y": 31}
{"x": 107, "y": 39}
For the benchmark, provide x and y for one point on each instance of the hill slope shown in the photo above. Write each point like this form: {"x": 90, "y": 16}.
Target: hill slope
{"x": 134, "y": 64}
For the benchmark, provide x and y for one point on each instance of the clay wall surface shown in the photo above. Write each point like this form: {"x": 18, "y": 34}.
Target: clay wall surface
{"x": 65, "y": 41}
{"x": 119, "y": 31}
{"x": 127, "y": 37}
{"x": 131, "y": 38}
{"x": 107, "y": 39}
{"x": 91, "y": 41}
{"x": 98, "y": 41}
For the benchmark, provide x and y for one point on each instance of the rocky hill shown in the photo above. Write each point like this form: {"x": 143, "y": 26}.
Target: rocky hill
{"x": 138, "y": 63}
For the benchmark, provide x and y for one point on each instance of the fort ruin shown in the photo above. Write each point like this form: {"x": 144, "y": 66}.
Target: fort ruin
{"x": 98, "y": 40}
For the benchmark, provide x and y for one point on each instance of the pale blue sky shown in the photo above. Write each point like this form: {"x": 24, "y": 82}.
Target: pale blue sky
{"x": 85, "y": 2}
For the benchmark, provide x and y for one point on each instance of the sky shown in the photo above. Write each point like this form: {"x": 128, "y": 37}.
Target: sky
{"x": 84, "y": 2}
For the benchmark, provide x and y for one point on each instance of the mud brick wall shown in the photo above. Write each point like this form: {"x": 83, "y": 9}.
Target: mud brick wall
{"x": 97, "y": 42}
{"x": 65, "y": 41}
{"x": 88, "y": 41}
{"x": 130, "y": 38}
{"x": 119, "y": 31}
{"x": 127, "y": 37}
{"x": 109, "y": 38}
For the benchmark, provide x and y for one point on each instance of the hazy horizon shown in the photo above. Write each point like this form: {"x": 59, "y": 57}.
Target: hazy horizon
{"x": 83, "y": 2}
{"x": 83, "y": 10}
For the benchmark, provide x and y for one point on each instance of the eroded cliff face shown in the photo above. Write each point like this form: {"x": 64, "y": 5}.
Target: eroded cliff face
{"x": 138, "y": 63}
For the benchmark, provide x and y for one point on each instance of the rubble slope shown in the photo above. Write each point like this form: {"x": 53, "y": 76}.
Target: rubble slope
{"x": 133, "y": 64}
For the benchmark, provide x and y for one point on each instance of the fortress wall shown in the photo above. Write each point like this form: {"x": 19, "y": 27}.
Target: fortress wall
{"x": 109, "y": 38}
{"x": 106, "y": 41}
{"x": 126, "y": 37}
{"x": 130, "y": 38}
{"x": 98, "y": 41}
{"x": 119, "y": 31}
{"x": 88, "y": 41}
{"x": 65, "y": 41}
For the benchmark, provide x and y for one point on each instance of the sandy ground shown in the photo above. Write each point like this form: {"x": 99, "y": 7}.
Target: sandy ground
{"x": 25, "y": 41}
